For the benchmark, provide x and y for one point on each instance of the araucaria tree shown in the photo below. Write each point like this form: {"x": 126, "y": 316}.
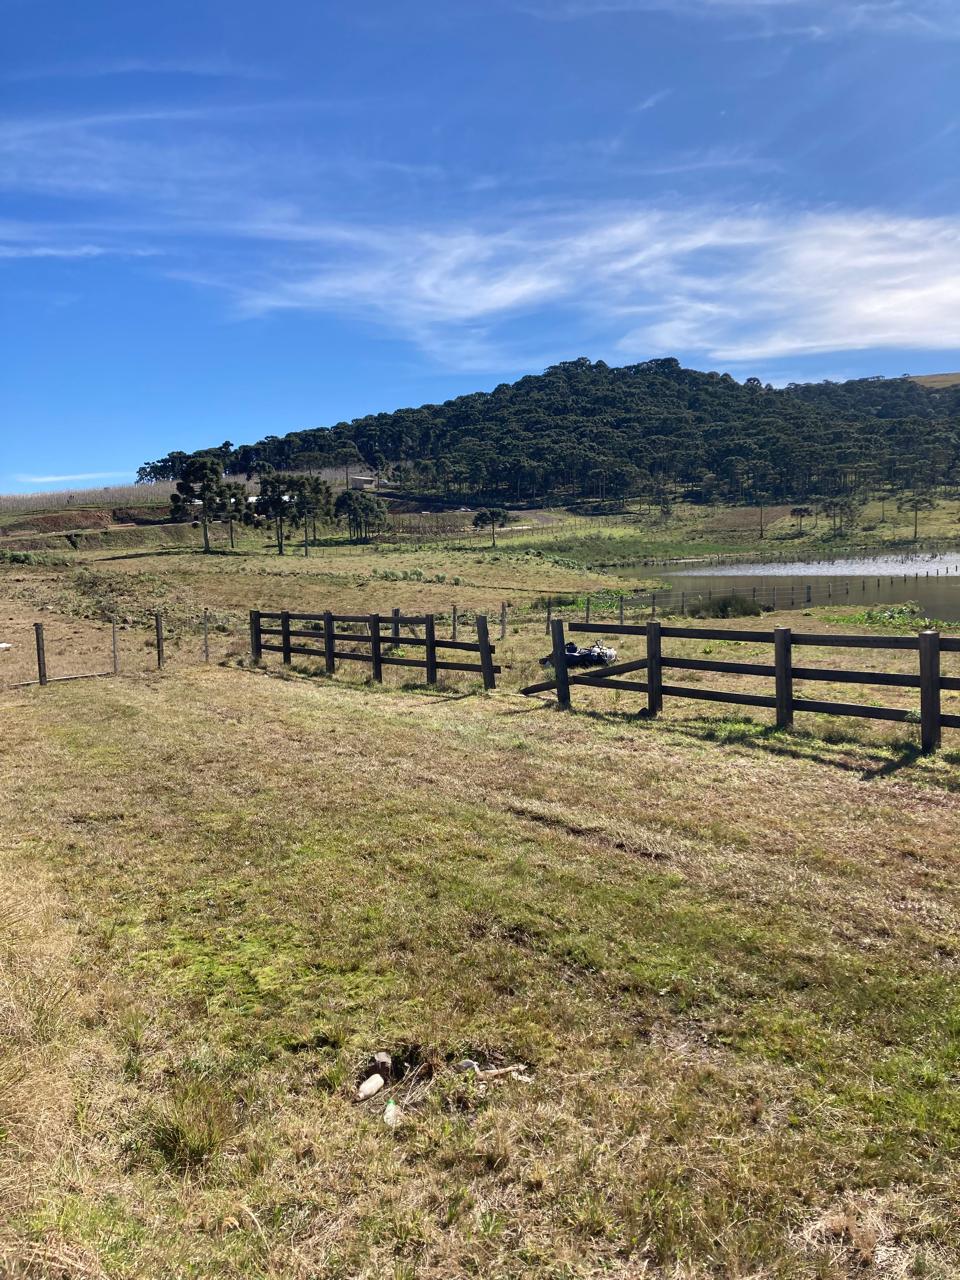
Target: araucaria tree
{"x": 274, "y": 504}
{"x": 917, "y": 501}
{"x": 363, "y": 513}
{"x": 492, "y": 516}
{"x": 200, "y": 494}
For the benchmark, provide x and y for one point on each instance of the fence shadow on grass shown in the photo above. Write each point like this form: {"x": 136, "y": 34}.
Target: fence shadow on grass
{"x": 871, "y": 761}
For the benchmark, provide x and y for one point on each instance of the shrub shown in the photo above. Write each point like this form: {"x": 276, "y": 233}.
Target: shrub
{"x": 732, "y": 606}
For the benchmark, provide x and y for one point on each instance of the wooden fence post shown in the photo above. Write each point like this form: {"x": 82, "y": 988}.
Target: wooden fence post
{"x": 256, "y": 641}
{"x": 453, "y": 622}
{"x": 374, "y": 627}
{"x": 429, "y": 631}
{"x": 158, "y": 626}
{"x": 329, "y": 644}
{"x": 486, "y": 657}
{"x": 503, "y": 619}
{"x": 116, "y": 645}
{"x": 206, "y": 635}
{"x": 929, "y": 691}
{"x": 549, "y": 614}
{"x": 783, "y": 665}
{"x": 586, "y": 612}
{"x": 560, "y": 664}
{"x": 654, "y": 669}
{"x": 41, "y": 653}
{"x": 395, "y": 627}
{"x": 621, "y": 610}
{"x": 285, "y": 637}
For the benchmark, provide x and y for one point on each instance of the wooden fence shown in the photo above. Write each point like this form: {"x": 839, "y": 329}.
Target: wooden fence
{"x": 929, "y": 678}
{"x": 381, "y": 637}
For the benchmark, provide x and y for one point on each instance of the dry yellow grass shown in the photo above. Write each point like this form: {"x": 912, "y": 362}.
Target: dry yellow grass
{"x": 728, "y": 964}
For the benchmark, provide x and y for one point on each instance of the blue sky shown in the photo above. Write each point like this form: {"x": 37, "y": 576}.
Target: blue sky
{"x": 225, "y": 218}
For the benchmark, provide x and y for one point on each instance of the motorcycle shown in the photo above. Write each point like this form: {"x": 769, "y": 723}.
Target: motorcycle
{"x": 596, "y": 655}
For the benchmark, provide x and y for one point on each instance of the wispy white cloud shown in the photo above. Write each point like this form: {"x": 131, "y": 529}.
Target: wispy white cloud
{"x": 203, "y": 68}
{"x": 827, "y": 17}
{"x": 727, "y": 285}
{"x": 74, "y": 478}
{"x": 652, "y": 100}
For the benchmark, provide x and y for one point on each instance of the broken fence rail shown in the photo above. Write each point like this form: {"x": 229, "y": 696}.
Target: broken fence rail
{"x": 929, "y": 678}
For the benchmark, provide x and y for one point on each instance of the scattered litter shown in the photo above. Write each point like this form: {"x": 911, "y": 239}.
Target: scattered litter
{"x": 4, "y": 647}
{"x": 494, "y": 1073}
{"x": 412, "y": 1080}
{"x": 373, "y": 1084}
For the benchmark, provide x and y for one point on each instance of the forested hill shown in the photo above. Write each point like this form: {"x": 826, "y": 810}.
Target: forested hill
{"x": 582, "y": 427}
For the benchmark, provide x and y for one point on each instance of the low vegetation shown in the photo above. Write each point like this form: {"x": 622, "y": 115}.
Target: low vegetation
{"x": 723, "y": 955}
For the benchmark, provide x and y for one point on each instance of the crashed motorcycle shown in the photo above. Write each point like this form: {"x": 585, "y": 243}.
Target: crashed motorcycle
{"x": 597, "y": 655}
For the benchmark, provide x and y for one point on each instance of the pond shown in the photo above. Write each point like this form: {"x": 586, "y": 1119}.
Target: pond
{"x": 932, "y": 580}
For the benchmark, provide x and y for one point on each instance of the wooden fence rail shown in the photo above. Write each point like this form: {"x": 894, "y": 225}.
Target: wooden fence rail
{"x": 377, "y": 645}
{"x": 929, "y": 680}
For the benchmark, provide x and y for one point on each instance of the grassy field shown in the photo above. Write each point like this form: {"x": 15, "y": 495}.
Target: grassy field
{"x": 726, "y": 960}
{"x": 724, "y": 956}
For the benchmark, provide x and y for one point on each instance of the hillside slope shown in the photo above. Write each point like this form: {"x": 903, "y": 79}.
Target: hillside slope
{"x": 584, "y": 427}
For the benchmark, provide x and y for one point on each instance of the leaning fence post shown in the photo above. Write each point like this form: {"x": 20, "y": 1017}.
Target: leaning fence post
{"x": 158, "y": 627}
{"x": 486, "y": 656}
{"x": 329, "y": 644}
{"x": 560, "y": 664}
{"x": 285, "y": 637}
{"x": 503, "y": 619}
{"x": 929, "y": 691}
{"x": 430, "y": 635}
{"x": 206, "y": 635}
{"x": 41, "y": 653}
{"x": 115, "y": 644}
{"x": 654, "y": 671}
{"x": 256, "y": 641}
{"x": 373, "y": 624}
{"x": 783, "y": 668}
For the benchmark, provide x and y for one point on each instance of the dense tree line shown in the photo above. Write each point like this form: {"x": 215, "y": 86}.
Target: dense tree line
{"x": 583, "y": 429}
